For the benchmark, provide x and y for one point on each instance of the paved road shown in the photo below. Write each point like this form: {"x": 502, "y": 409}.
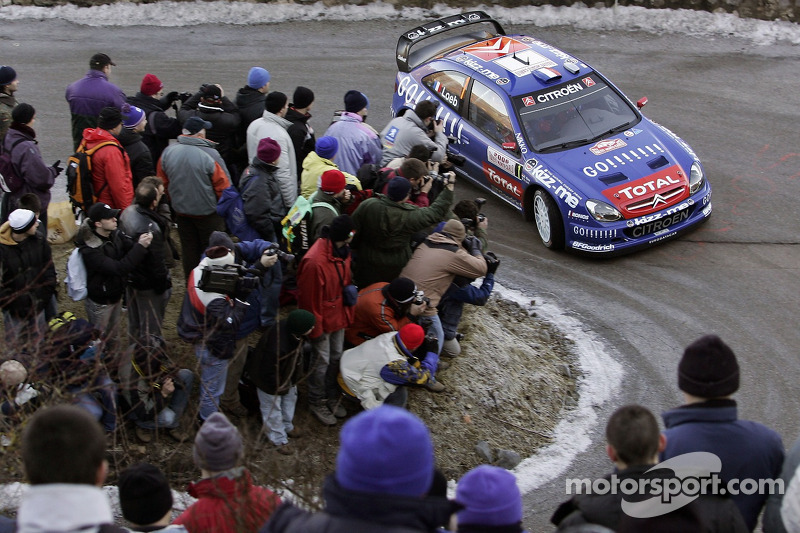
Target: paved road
{"x": 735, "y": 103}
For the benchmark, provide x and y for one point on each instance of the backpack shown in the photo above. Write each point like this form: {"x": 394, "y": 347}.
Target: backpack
{"x": 80, "y": 186}
{"x": 76, "y": 276}
{"x": 296, "y": 228}
{"x": 10, "y": 180}
{"x": 373, "y": 176}
{"x": 231, "y": 207}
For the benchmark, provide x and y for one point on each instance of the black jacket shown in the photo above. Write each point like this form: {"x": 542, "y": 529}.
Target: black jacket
{"x": 224, "y": 120}
{"x": 108, "y": 262}
{"x": 262, "y": 198}
{"x": 139, "y": 154}
{"x": 302, "y": 135}
{"x": 152, "y": 272}
{"x": 348, "y": 511}
{"x": 160, "y": 126}
{"x": 275, "y": 364}
{"x": 27, "y": 274}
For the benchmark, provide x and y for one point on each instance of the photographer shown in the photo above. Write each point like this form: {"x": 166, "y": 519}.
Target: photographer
{"x": 161, "y": 127}
{"x": 156, "y": 390}
{"x": 376, "y": 371}
{"x": 415, "y": 127}
{"x": 213, "y": 309}
{"x": 383, "y": 307}
{"x": 475, "y": 222}
{"x": 438, "y": 260}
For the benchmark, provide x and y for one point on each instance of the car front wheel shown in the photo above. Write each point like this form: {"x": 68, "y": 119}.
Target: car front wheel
{"x": 548, "y": 220}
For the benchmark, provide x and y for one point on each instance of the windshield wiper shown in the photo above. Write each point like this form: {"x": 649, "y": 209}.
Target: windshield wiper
{"x": 566, "y": 145}
{"x": 612, "y": 131}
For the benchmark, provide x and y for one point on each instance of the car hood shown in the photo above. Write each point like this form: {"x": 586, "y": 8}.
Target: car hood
{"x": 640, "y": 171}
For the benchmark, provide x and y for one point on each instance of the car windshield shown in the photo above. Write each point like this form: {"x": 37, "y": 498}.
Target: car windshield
{"x": 573, "y": 114}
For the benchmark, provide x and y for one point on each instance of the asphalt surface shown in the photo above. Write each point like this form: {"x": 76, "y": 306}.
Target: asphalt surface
{"x": 734, "y": 102}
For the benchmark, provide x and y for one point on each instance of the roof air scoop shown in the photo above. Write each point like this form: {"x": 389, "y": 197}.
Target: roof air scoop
{"x": 571, "y": 67}
{"x": 546, "y": 74}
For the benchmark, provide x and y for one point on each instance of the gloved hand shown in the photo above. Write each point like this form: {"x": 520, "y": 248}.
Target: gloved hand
{"x": 473, "y": 245}
{"x": 172, "y": 96}
{"x": 26, "y": 393}
{"x": 57, "y": 166}
{"x": 492, "y": 262}
{"x": 245, "y": 286}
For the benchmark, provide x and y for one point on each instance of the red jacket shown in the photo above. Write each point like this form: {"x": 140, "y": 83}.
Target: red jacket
{"x": 373, "y": 315}
{"x": 320, "y": 278}
{"x": 228, "y": 505}
{"x": 110, "y": 165}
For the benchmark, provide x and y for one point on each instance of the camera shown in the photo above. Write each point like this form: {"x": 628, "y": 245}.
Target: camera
{"x": 183, "y": 96}
{"x": 420, "y": 298}
{"x": 230, "y": 280}
{"x": 456, "y": 159}
{"x": 274, "y": 249}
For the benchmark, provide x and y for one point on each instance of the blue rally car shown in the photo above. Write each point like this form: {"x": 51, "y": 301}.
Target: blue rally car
{"x": 551, "y": 136}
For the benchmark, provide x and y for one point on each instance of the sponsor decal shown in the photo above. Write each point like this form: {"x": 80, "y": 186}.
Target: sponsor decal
{"x": 495, "y": 48}
{"x": 579, "y": 216}
{"x": 566, "y": 90}
{"x": 502, "y": 81}
{"x": 409, "y": 91}
{"x": 524, "y": 62}
{"x": 594, "y": 233}
{"x": 629, "y": 133}
{"x": 660, "y": 224}
{"x": 528, "y": 101}
{"x": 607, "y": 145}
{"x": 553, "y": 50}
{"x": 560, "y": 190}
{"x": 477, "y": 67}
{"x": 707, "y": 210}
{"x": 388, "y": 139}
{"x": 592, "y": 247}
{"x": 655, "y": 183}
{"x": 589, "y": 82}
{"x": 446, "y": 95}
{"x": 505, "y": 184}
{"x": 530, "y": 164}
{"x": 523, "y": 148}
{"x": 503, "y": 161}
{"x": 614, "y": 162}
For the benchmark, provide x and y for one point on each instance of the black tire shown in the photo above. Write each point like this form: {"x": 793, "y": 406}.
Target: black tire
{"x": 548, "y": 220}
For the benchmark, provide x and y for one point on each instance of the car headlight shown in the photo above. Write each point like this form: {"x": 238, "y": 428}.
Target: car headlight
{"x": 602, "y": 211}
{"x": 696, "y": 178}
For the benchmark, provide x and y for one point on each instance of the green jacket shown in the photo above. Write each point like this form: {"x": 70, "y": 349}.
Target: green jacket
{"x": 383, "y": 234}
{"x": 7, "y": 103}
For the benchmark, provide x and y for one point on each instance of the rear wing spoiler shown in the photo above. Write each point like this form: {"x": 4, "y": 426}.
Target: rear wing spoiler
{"x": 420, "y": 33}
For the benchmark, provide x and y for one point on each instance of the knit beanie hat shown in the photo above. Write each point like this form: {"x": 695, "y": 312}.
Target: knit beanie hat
{"x": 132, "y": 116}
{"x": 219, "y": 256}
{"x": 144, "y": 494}
{"x": 220, "y": 238}
{"x": 708, "y": 368}
{"x": 326, "y": 147}
{"x": 7, "y": 75}
{"x": 12, "y": 373}
{"x": 401, "y": 290}
{"x": 109, "y": 118}
{"x": 300, "y": 321}
{"x": 211, "y": 93}
{"x": 21, "y": 220}
{"x": 332, "y": 181}
{"x": 268, "y": 150}
{"x": 275, "y": 101}
{"x": 398, "y": 189}
{"x": 218, "y": 445}
{"x": 150, "y": 85}
{"x": 412, "y": 336}
{"x": 455, "y": 229}
{"x": 375, "y": 449}
{"x": 302, "y": 97}
{"x": 340, "y": 228}
{"x": 23, "y": 113}
{"x": 490, "y": 497}
{"x": 355, "y": 101}
{"x": 257, "y": 77}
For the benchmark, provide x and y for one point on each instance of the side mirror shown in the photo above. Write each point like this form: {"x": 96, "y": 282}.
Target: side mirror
{"x": 641, "y": 102}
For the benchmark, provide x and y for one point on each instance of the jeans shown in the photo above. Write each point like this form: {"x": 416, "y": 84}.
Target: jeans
{"x": 230, "y": 397}
{"x": 277, "y": 412}
{"x": 107, "y": 319}
{"x": 271, "y": 283}
{"x": 436, "y": 323}
{"x": 398, "y": 398}
{"x": 213, "y": 372}
{"x": 170, "y": 416}
{"x": 100, "y": 399}
{"x": 146, "y": 312}
{"x": 326, "y": 352}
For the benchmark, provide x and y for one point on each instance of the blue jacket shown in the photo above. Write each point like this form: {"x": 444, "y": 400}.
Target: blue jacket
{"x": 451, "y": 306}
{"x": 748, "y": 450}
{"x": 358, "y": 143}
{"x": 248, "y": 253}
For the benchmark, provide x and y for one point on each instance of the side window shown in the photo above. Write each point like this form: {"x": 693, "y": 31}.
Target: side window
{"x": 448, "y": 85}
{"x": 488, "y": 112}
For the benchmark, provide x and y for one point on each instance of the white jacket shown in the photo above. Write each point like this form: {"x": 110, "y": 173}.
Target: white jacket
{"x": 275, "y": 127}
{"x": 361, "y": 369}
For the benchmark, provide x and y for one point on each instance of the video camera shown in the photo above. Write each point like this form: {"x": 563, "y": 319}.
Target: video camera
{"x": 274, "y": 249}
{"x": 230, "y": 280}
{"x": 456, "y": 159}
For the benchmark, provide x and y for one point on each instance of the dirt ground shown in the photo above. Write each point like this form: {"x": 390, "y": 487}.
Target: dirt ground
{"x": 510, "y": 386}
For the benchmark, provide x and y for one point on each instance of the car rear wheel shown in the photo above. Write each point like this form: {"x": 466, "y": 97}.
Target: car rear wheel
{"x": 548, "y": 220}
